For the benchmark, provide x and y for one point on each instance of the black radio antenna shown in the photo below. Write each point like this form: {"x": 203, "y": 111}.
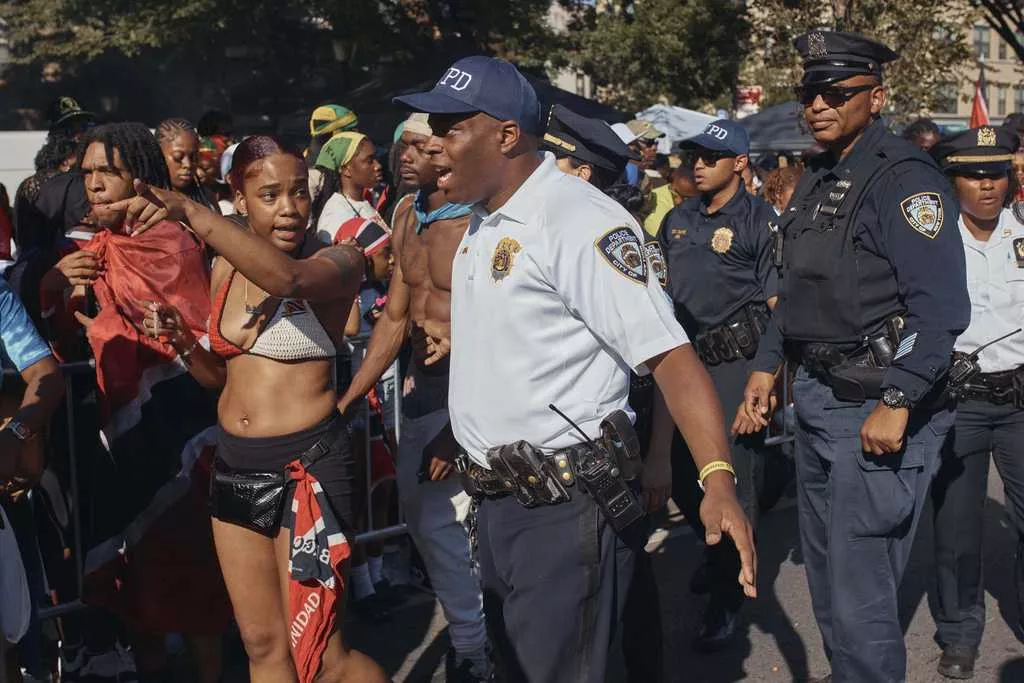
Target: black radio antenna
{"x": 977, "y": 351}
{"x": 573, "y": 424}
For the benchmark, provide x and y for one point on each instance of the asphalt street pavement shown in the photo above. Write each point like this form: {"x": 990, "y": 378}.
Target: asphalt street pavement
{"x": 780, "y": 640}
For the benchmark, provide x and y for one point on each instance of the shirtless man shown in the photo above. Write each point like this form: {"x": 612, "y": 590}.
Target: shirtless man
{"x": 427, "y": 231}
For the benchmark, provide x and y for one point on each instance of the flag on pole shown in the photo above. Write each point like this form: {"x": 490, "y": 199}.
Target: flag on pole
{"x": 979, "y": 108}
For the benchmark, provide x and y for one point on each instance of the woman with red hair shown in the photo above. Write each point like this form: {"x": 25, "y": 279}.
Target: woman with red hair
{"x": 285, "y": 484}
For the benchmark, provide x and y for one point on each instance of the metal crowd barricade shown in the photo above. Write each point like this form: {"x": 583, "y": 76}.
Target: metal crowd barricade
{"x": 787, "y": 435}
{"x": 71, "y": 370}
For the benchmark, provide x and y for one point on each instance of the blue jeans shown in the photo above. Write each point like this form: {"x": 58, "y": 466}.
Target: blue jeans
{"x": 858, "y": 515}
{"x": 550, "y": 576}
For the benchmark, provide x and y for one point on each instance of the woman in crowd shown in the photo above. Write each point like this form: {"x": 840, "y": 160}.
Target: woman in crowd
{"x": 208, "y": 170}
{"x": 350, "y": 170}
{"x": 280, "y": 300}
{"x": 179, "y": 143}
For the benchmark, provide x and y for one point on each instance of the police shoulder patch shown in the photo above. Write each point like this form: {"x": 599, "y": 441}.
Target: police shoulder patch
{"x": 923, "y": 211}
{"x": 621, "y": 248}
{"x": 656, "y": 260}
{"x": 1018, "y": 251}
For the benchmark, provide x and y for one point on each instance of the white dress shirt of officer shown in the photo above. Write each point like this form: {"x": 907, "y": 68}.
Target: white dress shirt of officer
{"x": 553, "y": 301}
{"x": 995, "y": 280}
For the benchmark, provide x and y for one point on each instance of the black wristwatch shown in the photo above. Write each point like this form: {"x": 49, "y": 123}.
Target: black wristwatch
{"x": 895, "y": 398}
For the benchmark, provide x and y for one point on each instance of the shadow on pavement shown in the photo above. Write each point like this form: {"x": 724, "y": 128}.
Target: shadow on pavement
{"x": 778, "y": 543}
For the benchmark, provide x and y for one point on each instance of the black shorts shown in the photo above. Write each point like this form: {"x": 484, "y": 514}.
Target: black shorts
{"x": 336, "y": 470}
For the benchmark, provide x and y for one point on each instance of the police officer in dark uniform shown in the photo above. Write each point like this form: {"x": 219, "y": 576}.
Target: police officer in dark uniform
{"x": 719, "y": 251}
{"x": 588, "y": 148}
{"x": 990, "y": 405}
{"x": 872, "y": 296}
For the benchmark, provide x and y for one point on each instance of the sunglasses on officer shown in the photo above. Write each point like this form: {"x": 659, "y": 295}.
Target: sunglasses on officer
{"x": 833, "y": 95}
{"x": 710, "y": 157}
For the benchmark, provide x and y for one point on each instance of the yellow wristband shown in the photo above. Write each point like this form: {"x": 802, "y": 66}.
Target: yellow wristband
{"x": 712, "y": 467}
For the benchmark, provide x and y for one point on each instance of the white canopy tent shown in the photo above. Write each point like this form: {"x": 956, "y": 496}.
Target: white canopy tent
{"x": 676, "y": 123}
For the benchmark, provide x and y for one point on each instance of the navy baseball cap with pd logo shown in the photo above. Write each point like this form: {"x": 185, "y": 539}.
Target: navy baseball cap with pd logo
{"x": 481, "y": 84}
{"x": 722, "y": 135}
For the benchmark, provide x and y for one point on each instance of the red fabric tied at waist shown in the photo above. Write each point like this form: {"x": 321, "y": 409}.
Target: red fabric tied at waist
{"x": 318, "y": 548}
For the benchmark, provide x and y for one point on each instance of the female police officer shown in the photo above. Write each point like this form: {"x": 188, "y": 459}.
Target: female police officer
{"x": 989, "y": 415}
{"x": 552, "y": 304}
{"x": 872, "y": 328}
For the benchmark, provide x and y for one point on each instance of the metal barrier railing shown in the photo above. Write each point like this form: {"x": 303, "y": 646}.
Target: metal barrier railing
{"x": 787, "y": 424}
{"x": 70, "y": 370}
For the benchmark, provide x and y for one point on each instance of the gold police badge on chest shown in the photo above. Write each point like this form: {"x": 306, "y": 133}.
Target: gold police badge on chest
{"x": 504, "y": 258}
{"x": 721, "y": 240}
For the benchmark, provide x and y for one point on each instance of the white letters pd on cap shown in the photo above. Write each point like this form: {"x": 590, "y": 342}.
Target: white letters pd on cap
{"x": 456, "y": 79}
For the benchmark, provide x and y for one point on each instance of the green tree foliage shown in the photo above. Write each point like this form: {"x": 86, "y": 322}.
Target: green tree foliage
{"x": 929, "y": 34}
{"x": 641, "y": 52}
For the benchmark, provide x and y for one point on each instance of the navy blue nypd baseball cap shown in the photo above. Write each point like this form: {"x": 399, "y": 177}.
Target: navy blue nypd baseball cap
{"x": 481, "y": 84}
{"x": 722, "y": 135}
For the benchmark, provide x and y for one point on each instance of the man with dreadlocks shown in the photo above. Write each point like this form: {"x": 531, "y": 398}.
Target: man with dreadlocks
{"x": 149, "y": 558}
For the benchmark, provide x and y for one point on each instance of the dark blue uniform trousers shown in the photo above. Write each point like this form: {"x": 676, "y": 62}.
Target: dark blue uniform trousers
{"x": 958, "y": 500}
{"x": 551, "y": 577}
{"x": 730, "y": 380}
{"x": 858, "y": 515}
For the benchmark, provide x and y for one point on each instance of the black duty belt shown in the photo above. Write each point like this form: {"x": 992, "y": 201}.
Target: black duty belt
{"x": 736, "y": 339}
{"x": 487, "y": 483}
{"x": 854, "y": 371}
{"x": 998, "y": 388}
{"x": 602, "y": 468}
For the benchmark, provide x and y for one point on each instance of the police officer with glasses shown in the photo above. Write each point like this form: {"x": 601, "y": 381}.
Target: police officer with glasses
{"x": 873, "y": 294}
{"x": 721, "y": 276}
{"x": 553, "y": 303}
{"x": 989, "y": 387}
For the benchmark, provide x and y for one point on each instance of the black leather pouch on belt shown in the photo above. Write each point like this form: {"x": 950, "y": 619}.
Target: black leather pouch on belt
{"x": 854, "y": 382}
{"x": 1018, "y": 388}
{"x": 523, "y": 466}
{"x": 254, "y": 500}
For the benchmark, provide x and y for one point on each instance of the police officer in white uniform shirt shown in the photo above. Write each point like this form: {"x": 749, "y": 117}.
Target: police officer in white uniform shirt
{"x": 553, "y": 302}
{"x": 989, "y": 415}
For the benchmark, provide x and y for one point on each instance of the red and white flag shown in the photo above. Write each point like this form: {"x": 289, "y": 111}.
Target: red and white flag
{"x": 979, "y": 108}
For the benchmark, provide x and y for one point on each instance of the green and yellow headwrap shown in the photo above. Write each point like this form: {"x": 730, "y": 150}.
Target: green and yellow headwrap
{"x": 331, "y": 118}
{"x": 339, "y": 150}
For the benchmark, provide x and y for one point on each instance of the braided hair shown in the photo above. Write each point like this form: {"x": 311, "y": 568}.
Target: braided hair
{"x": 139, "y": 151}
{"x": 166, "y": 132}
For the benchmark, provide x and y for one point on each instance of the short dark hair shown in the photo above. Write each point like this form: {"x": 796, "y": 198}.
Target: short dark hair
{"x": 919, "y": 128}
{"x": 599, "y": 177}
{"x": 139, "y": 150}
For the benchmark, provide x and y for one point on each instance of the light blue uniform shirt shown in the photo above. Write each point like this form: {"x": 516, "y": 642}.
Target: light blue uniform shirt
{"x": 995, "y": 282}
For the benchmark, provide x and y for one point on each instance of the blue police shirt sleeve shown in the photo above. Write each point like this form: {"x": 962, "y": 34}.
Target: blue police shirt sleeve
{"x": 764, "y": 250}
{"x": 917, "y": 225}
{"x": 769, "y": 350}
{"x": 22, "y": 345}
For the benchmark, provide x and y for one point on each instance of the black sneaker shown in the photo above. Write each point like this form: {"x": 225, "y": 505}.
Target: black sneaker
{"x": 718, "y": 627}
{"x": 957, "y": 662}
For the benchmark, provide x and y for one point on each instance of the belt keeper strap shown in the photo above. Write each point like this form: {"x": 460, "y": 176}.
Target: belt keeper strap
{"x": 711, "y": 468}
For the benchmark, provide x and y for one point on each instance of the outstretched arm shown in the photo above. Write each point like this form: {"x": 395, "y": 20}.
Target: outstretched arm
{"x": 330, "y": 274}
